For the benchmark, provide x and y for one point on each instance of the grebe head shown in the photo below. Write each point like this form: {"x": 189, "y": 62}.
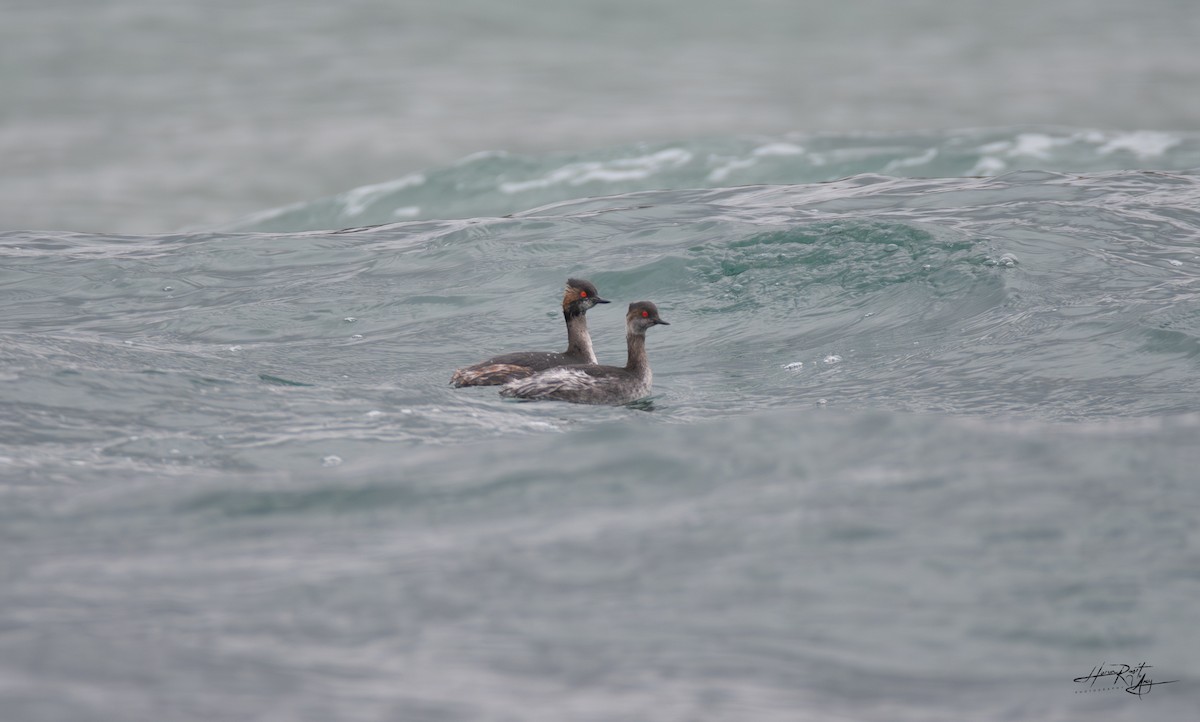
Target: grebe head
{"x": 579, "y": 296}
{"x": 642, "y": 315}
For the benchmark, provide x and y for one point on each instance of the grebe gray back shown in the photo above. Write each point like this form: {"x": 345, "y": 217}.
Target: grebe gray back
{"x": 579, "y": 296}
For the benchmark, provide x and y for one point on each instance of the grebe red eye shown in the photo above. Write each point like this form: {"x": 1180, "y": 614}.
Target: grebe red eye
{"x": 583, "y": 294}
{"x": 645, "y": 314}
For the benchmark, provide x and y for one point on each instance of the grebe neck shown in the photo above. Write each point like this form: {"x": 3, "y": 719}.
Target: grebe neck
{"x": 579, "y": 341}
{"x": 637, "y": 362}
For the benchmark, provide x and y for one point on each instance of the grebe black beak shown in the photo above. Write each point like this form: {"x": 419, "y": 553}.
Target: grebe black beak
{"x": 597, "y": 299}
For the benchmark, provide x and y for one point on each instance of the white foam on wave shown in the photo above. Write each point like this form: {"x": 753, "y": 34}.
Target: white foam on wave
{"x": 482, "y": 155}
{"x": 922, "y": 159}
{"x": 719, "y": 174}
{"x": 731, "y": 164}
{"x": 355, "y": 201}
{"x": 1145, "y": 144}
{"x": 1036, "y": 145}
{"x": 621, "y": 169}
{"x": 992, "y": 160}
{"x": 778, "y": 149}
{"x": 988, "y": 165}
{"x": 1142, "y": 143}
{"x": 271, "y": 214}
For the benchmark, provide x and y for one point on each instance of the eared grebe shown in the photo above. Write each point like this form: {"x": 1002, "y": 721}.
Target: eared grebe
{"x": 595, "y": 384}
{"x": 579, "y": 296}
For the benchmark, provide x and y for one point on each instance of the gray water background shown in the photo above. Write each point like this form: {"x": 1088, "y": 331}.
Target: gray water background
{"x": 922, "y": 446}
{"x": 148, "y": 116}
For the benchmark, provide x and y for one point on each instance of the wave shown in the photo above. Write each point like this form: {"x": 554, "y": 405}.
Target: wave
{"x": 497, "y": 183}
{"x": 1042, "y": 295}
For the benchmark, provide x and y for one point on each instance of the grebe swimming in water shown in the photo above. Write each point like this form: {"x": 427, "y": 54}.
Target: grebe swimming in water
{"x": 595, "y": 384}
{"x": 579, "y": 296}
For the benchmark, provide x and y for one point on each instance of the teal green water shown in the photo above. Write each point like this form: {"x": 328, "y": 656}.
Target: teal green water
{"x": 916, "y": 445}
{"x": 497, "y": 183}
